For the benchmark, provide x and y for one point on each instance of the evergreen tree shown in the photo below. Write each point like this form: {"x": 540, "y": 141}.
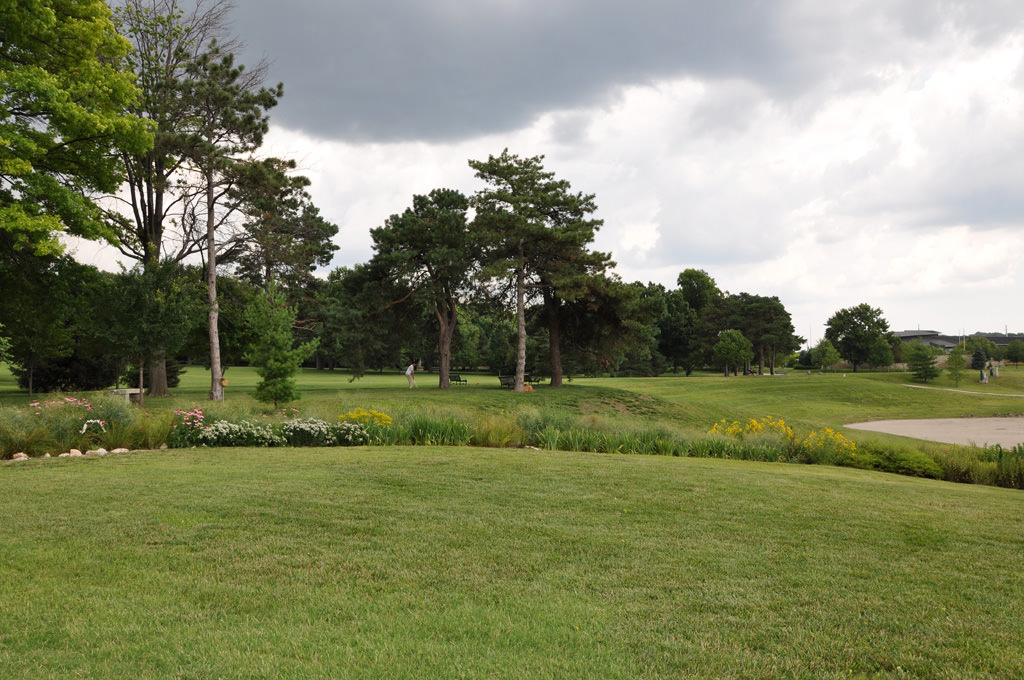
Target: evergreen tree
{"x": 273, "y": 352}
{"x": 536, "y": 232}
{"x": 978, "y": 359}
{"x": 921, "y": 360}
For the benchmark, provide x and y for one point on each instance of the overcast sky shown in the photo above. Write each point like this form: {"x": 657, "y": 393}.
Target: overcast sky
{"x": 829, "y": 153}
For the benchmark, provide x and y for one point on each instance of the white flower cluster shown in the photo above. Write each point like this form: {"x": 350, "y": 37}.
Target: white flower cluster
{"x": 313, "y": 432}
{"x": 245, "y": 433}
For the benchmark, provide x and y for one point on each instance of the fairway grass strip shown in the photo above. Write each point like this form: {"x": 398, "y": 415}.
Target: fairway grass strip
{"x": 473, "y": 563}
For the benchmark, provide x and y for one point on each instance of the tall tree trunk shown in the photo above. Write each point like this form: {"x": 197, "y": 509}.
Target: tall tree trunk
{"x": 553, "y": 306}
{"x": 216, "y": 375}
{"x": 158, "y": 375}
{"x": 447, "y": 316}
{"x": 520, "y": 328}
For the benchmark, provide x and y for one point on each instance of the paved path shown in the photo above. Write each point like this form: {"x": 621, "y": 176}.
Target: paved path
{"x": 1007, "y": 432}
{"x": 950, "y": 389}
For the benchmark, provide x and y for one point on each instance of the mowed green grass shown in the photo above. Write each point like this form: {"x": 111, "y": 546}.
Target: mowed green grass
{"x": 485, "y": 563}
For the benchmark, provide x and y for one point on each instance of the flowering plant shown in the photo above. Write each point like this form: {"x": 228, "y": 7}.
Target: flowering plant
{"x": 187, "y": 429}
{"x": 361, "y": 415}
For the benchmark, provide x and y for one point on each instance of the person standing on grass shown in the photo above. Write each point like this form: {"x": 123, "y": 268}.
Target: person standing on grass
{"x": 410, "y": 374}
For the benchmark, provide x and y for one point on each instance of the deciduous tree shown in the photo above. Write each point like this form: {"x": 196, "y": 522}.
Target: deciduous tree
{"x": 1014, "y": 351}
{"x": 64, "y": 94}
{"x": 861, "y": 335}
{"x": 825, "y": 354}
{"x": 733, "y": 350}
{"x": 956, "y": 363}
{"x": 431, "y": 250}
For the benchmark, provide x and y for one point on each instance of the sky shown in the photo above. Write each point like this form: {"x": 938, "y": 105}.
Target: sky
{"x": 828, "y": 153}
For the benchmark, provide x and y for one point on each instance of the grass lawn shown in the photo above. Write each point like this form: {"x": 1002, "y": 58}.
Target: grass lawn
{"x": 485, "y": 563}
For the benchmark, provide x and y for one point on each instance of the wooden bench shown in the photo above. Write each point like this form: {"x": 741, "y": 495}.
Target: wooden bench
{"x": 456, "y": 378}
{"x": 508, "y": 381}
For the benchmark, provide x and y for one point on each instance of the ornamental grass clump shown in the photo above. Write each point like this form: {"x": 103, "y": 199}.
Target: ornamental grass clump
{"x": 426, "y": 431}
{"x": 64, "y": 423}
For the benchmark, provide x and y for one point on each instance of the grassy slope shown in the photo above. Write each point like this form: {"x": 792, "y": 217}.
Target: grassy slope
{"x": 422, "y": 563}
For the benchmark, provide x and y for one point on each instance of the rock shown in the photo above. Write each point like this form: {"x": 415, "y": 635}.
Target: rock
{"x": 96, "y": 452}
{"x": 46, "y": 455}
{"x": 63, "y": 455}
{"x": 121, "y": 451}
{"x": 74, "y": 453}
{"x": 20, "y": 455}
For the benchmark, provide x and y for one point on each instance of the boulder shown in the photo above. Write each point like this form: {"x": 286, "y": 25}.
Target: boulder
{"x": 20, "y": 455}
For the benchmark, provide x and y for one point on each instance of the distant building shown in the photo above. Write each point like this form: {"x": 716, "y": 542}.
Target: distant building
{"x": 948, "y": 342}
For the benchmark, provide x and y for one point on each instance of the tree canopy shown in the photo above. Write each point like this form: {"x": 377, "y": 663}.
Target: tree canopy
{"x": 536, "y": 232}
{"x": 64, "y": 94}
{"x": 431, "y": 249}
{"x": 861, "y": 335}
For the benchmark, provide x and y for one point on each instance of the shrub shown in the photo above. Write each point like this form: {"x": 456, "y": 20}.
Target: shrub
{"x": 350, "y": 434}
{"x": 314, "y": 432}
{"x": 914, "y": 464}
{"x": 307, "y": 432}
{"x": 963, "y": 465}
{"x": 245, "y": 433}
{"x": 897, "y": 459}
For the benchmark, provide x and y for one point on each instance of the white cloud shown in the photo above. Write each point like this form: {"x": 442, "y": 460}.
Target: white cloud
{"x": 829, "y": 154}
